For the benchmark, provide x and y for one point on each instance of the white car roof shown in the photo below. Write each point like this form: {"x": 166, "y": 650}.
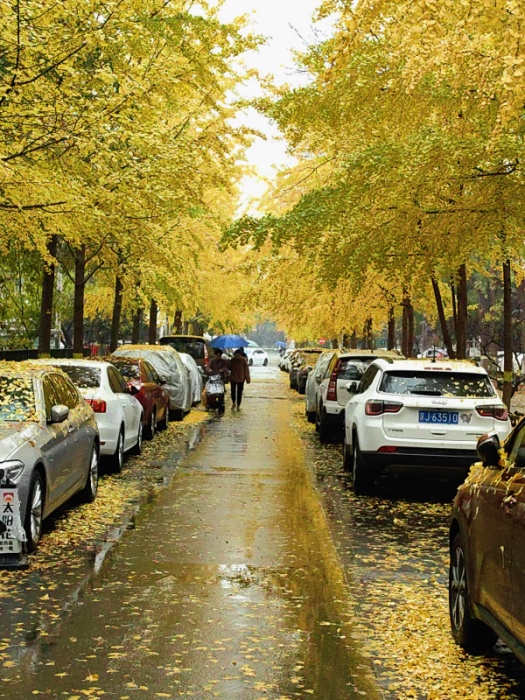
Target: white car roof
{"x": 78, "y": 363}
{"x": 425, "y": 364}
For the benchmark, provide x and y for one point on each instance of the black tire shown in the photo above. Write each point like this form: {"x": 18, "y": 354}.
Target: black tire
{"x": 164, "y": 423}
{"x": 471, "y": 634}
{"x": 151, "y": 428}
{"x": 137, "y": 447}
{"x": 117, "y": 459}
{"x": 301, "y": 387}
{"x": 34, "y": 512}
{"x": 250, "y": 362}
{"x": 347, "y": 457}
{"x": 176, "y": 414}
{"x": 311, "y": 416}
{"x": 89, "y": 492}
{"x": 265, "y": 363}
{"x": 326, "y": 433}
{"x": 363, "y": 477}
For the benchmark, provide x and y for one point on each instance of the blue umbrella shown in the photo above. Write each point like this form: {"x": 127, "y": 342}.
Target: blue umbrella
{"x": 280, "y": 344}
{"x": 229, "y": 341}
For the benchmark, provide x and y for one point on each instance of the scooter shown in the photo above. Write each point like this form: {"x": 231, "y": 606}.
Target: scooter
{"x": 215, "y": 393}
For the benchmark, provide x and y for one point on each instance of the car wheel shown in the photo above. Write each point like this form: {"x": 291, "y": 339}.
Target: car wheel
{"x": 325, "y": 430}
{"x": 89, "y": 492}
{"x": 176, "y": 414}
{"x": 301, "y": 387}
{"x": 152, "y": 427}
{"x": 137, "y": 447}
{"x": 363, "y": 477}
{"x": 35, "y": 512}
{"x": 347, "y": 457}
{"x": 265, "y": 363}
{"x": 250, "y": 362}
{"x": 163, "y": 425}
{"x": 311, "y": 416}
{"x": 117, "y": 459}
{"x": 471, "y": 634}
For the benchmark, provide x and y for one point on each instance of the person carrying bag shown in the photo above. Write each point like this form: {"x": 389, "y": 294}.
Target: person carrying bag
{"x": 239, "y": 373}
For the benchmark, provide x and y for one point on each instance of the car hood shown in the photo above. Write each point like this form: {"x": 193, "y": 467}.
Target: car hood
{"x": 13, "y": 436}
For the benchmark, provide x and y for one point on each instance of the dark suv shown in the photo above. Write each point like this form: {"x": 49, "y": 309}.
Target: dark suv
{"x": 487, "y": 548}
{"x": 194, "y": 345}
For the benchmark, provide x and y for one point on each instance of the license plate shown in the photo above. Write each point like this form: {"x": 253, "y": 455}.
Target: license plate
{"x": 439, "y": 417}
{"x": 10, "y": 518}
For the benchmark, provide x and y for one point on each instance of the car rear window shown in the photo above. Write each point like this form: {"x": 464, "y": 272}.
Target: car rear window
{"x": 195, "y": 348}
{"x": 128, "y": 369}
{"x": 352, "y": 369}
{"x": 17, "y": 399}
{"x": 437, "y": 383}
{"x": 82, "y": 377}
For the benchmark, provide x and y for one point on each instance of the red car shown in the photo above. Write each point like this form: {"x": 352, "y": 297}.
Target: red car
{"x": 147, "y": 387}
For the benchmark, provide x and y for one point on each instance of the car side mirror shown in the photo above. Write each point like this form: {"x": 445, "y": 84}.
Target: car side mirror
{"x": 133, "y": 390}
{"x": 488, "y": 447}
{"x": 352, "y": 387}
{"x": 59, "y": 413}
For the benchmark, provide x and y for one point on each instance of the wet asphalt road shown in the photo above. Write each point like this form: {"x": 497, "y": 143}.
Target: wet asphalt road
{"x": 228, "y": 586}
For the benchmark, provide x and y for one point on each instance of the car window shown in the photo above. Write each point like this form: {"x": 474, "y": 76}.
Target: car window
{"x": 152, "y": 373}
{"x": 82, "y": 376}
{"x": 352, "y": 370}
{"x": 368, "y": 378}
{"x": 67, "y": 394}
{"x": 117, "y": 382}
{"x": 17, "y": 399}
{"x": 195, "y": 348}
{"x": 129, "y": 370}
{"x": 51, "y": 395}
{"x": 323, "y": 364}
{"x": 437, "y": 383}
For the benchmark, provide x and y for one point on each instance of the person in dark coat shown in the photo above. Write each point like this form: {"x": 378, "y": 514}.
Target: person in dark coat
{"x": 239, "y": 373}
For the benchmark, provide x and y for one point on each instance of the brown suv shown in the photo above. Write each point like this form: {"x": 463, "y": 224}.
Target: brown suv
{"x": 487, "y": 548}
{"x": 194, "y": 345}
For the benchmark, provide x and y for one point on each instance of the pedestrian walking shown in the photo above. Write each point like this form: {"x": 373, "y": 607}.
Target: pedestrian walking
{"x": 239, "y": 373}
{"x": 218, "y": 369}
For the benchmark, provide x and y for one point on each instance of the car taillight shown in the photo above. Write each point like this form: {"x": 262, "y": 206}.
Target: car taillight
{"x": 387, "y": 449}
{"x": 97, "y": 405}
{"x": 331, "y": 394}
{"x": 497, "y": 412}
{"x": 377, "y": 408}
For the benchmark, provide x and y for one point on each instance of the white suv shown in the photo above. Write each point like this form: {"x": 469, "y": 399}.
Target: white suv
{"x": 418, "y": 415}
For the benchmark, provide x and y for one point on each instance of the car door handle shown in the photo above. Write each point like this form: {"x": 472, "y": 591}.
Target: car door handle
{"x": 509, "y": 502}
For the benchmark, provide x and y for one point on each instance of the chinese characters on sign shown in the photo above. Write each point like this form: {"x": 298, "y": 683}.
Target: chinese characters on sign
{"x": 11, "y": 533}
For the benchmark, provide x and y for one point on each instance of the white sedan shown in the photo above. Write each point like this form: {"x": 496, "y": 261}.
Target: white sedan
{"x": 117, "y": 411}
{"x": 256, "y": 356}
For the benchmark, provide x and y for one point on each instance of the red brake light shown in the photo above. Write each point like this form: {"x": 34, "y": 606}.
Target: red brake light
{"x": 377, "y": 408}
{"x": 331, "y": 394}
{"x": 388, "y": 448}
{"x": 97, "y": 405}
{"x": 497, "y": 412}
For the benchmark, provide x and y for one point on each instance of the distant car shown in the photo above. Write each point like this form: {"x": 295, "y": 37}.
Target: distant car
{"x": 419, "y": 416}
{"x": 487, "y": 552}
{"x": 166, "y": 360}
{"x": 148, "y": 389}
{"x": 303, "y": 362}
{"x": 315, "y": 378}
{"x": 256, "y": 356}
{"x": 49, "y": 443}
{"x": 194, "y": 345}
{"x": 118, "y": 413}
{"x": 195, "y": 377}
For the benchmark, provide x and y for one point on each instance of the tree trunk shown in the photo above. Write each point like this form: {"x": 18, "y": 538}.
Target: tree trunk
{"x": 454, "y": 309}
{"x": 152, "y": 331}
{"x": 408, "y": 325}
{"x": 461, "y": 337}
{"x": 117, "y": 312}
{"x": 391, "y": 342}
{"x": 137, "y": 323}
{"x": 442, "y": 320}
{"x": 177, "y": 323}
{"x": 410, "y": 339}
{"x": 46, "y": 304}
{"x": 353, "y": 341}
{"x": 507, "y": 334}
{"x": 78, "y": 308}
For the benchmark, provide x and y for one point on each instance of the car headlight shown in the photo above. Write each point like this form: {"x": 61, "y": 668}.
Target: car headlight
{"x": 11, "y": 469}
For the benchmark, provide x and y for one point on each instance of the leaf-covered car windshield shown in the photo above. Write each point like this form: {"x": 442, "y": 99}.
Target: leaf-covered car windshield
{"x": 437, "y": 384}
{"x": 17, "y": 399}
{"x": 83, "y": 377}
{"x": 129, "y": 369}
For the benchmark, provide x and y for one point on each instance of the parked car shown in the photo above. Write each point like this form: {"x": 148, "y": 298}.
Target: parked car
{"x": 303, "y": 363}
{"x": 256, "y": 356}
{"x": 487, "y": 557}
{"x": 49, "y": 443}
{"x": 148, "y": 388}
{"x": 333, "y": 391}
{"x": 166, "y": 360}
{"x": 195, "y": 377}
{"x": 420, "y": 416}
{"x": 194, "y": 345}
{"x": 315, "y": 377}
{"x": 118, "y": 413}
{"x": 284, "y": 362}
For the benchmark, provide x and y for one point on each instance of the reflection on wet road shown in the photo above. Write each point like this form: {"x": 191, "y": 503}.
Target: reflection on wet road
{"x": 228, "y": 586}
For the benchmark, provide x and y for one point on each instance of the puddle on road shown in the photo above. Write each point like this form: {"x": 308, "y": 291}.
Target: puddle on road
{"x": 227, "y": 587}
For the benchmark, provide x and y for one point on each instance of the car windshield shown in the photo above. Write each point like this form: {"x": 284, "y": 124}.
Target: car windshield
{"x": 195, "y": 348}
{"x": 437, "y": 383}
{"x": 352, "y": 369}
{"x": 128, "y": 369}
{"x": 83, "y": 377}
{"x": 17, "y": 399}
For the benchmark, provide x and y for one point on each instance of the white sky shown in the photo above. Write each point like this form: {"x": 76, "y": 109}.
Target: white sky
{"x": 288, "y": 25}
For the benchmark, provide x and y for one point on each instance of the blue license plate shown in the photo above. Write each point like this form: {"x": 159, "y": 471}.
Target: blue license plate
{"x": 439, "y": 417}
